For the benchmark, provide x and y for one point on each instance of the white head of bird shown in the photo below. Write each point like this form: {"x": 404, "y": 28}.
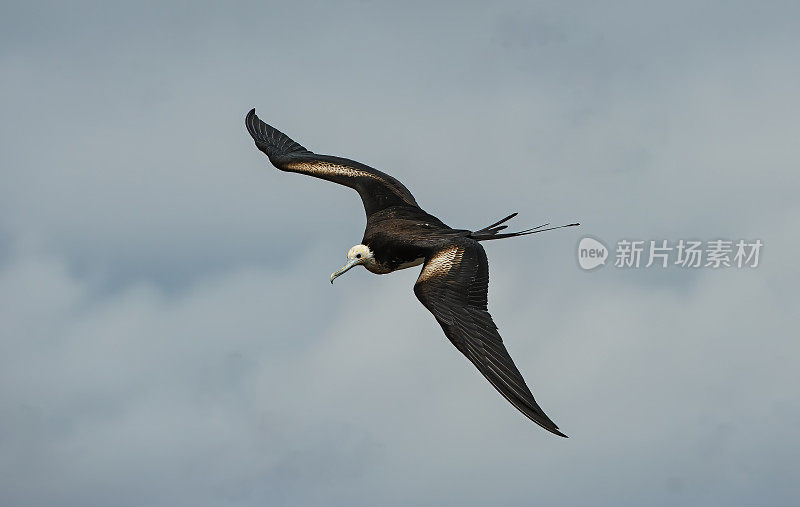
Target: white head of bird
{"x": 359, "y": 254}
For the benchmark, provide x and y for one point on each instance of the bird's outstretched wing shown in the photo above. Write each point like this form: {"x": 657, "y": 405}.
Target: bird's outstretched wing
{"x": 453, "y": 285}
{"x": 377, "y": 190}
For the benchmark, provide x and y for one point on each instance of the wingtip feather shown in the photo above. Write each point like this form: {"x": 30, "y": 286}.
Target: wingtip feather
{"x": 251, "y": 122}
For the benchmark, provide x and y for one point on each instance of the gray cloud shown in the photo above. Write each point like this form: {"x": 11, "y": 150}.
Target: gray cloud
{"x": 169, "y": 335}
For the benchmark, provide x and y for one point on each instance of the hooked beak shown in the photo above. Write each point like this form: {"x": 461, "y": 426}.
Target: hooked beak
{"x": 351, "y": 263}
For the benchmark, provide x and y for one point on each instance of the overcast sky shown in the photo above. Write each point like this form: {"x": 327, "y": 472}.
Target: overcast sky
{"x": 168, "y": 335}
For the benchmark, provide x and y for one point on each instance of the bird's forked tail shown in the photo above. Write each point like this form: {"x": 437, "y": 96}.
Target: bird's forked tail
{"x": 492, "y": 231}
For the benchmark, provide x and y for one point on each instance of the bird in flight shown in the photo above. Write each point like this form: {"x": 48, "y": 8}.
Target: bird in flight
{"x": 454, "y": 280}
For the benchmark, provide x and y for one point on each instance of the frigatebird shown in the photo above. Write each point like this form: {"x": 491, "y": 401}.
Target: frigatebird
{"x": 454, "y": 280}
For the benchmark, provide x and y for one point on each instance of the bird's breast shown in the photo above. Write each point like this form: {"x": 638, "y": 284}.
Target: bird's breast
{"x": 411, "y": 264}
{"x": 377, "y": 267}
{"x": 393, "y": 261}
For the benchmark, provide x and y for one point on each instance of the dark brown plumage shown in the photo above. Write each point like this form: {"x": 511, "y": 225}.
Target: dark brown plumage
{"x": 454, "y": 280}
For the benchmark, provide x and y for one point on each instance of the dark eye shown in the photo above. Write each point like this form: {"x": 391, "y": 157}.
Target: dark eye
{"x": 358, "y": 256}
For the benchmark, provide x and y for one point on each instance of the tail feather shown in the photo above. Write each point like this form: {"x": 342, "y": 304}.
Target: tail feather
{"x": 491, "y": 231}
{"x": 494, "y": 225}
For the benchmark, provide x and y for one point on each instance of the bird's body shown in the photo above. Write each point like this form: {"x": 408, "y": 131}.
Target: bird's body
{"x": 453, "y": 283}
{"x": 402, "y": 237}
